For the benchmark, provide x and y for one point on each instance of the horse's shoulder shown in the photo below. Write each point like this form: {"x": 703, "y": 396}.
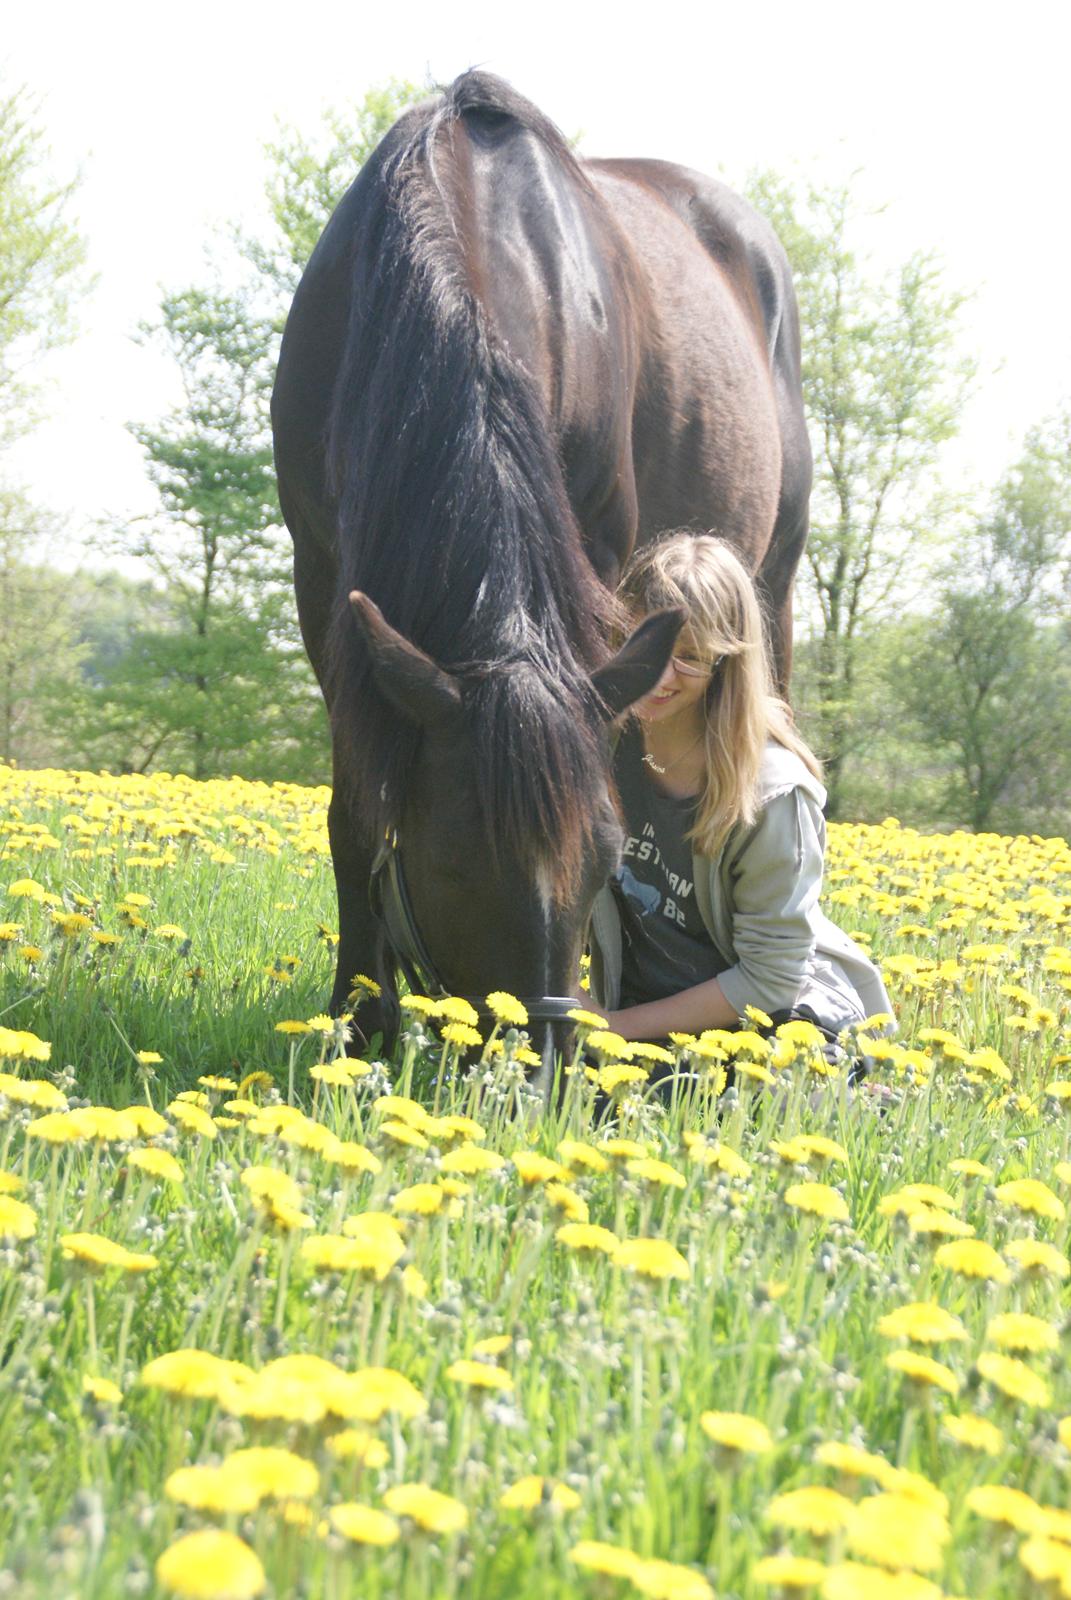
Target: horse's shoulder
{"x": 725, "y": 224}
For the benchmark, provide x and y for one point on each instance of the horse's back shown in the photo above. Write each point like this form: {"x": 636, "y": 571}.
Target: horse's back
{"x": 719, "y": 437}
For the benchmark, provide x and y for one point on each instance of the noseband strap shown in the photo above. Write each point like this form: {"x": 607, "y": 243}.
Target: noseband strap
{"x": 388, "y": 893}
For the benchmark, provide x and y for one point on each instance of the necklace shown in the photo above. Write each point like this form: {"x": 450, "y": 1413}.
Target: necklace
{"x": 649, "y": 760}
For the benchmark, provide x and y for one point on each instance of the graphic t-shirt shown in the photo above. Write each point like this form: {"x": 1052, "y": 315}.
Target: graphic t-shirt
{"x": 665, "y": 946}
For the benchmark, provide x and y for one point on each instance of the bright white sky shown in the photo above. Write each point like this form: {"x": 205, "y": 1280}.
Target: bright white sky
{"x": 956, "y": 112}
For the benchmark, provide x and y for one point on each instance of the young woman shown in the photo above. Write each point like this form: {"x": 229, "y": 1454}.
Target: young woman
{"x": 715, "y": 904}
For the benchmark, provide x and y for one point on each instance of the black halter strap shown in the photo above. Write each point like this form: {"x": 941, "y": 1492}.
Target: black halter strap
{"x": 389, "y": 897}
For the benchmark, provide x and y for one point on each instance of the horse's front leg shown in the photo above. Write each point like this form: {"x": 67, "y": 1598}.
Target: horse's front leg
{"x": 361, "y": 945}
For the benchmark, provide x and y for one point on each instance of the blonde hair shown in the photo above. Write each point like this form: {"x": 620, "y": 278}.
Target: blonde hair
{"x": 724, "y": 624}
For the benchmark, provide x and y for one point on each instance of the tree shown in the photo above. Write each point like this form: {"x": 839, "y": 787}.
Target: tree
{"x": 308, "y": 176}
{"x": 990, "y": 679}
{"x": 42, "y": 259}
{"x": 884, "y": 390}
{"x": 204, "y": 688}
{"x": 40, "y": 656}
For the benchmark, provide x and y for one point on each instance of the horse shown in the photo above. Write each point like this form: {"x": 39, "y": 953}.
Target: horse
{"x": 503, "y": 367}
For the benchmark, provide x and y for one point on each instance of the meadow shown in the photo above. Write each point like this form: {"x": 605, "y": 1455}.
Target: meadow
{"x": 275, "y": 1320}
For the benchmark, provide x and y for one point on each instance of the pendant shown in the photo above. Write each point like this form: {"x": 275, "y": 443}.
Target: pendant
{"x": 649, "y": 761}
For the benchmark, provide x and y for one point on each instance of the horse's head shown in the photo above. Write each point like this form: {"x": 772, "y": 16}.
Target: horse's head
{"x": 508, "y": 827}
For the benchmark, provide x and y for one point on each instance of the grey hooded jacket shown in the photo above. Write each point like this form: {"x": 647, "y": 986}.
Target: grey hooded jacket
{"x": 758, "y": 899}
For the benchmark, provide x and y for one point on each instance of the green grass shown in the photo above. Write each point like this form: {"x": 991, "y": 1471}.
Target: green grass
{"x": 775, "y": 1313}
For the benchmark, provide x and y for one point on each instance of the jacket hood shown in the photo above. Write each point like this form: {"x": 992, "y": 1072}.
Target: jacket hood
{"x": 782, "y": 770}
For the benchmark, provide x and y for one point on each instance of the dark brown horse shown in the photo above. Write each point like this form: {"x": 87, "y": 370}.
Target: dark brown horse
{"x": 503, "y": 367}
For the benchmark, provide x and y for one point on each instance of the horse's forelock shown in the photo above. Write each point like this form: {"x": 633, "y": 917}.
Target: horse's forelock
{"x": 539, "y": 772}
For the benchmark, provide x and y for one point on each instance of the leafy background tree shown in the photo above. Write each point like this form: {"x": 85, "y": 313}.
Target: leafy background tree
{"x": 884, "y": 388}
{"x": 988, "y": 680}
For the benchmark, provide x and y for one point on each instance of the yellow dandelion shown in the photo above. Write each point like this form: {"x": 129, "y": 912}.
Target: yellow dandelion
{"x": 996, "y": 1502}
{"x": 735, "y": 1431}
{"x": 211, "y": 1565}
{"x": 975, "y": 1433}
{"x": 1031, "y": 1195}
{"x": 528, "y": 1494}
{"x": 479, "y": 1375}
{"x": 94, "y": 1250}
{"x": 1016, "y": 1330}
{"x": 923, "y": 1322}
{"x": 363, "y": 1524}
{"x": 818, "y": 1200}
{"x": 972, "y": 1258}
{"x": 435, "y": 1512}
{"x": 814, "y": 1509}
{"x": 923, "y": 1370}
{"x": 1014, "y": 1379}
{"x": 157, "y": 1163}
{"x": 651, "y": 1258}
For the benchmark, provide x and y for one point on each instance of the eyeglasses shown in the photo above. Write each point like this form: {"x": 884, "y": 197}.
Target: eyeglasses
{"x": 688, "y": 667}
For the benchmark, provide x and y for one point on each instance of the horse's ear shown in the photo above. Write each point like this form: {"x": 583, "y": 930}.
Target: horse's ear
{"x": 415, "y": 686}
{"x": 639, "y": 663}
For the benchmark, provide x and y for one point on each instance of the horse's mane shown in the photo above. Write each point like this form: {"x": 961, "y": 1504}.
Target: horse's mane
{"x": 453, "y": 511}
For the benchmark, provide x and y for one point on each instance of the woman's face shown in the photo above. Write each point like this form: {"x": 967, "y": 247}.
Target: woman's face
{"x": 680, "y": 690}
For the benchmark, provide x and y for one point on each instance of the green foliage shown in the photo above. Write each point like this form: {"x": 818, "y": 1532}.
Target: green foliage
{"x": 39, "y": 653}
{"x": 884, "y": 389}
{"x": 308, "y": 175}
{"x": 42, "y": 258}
{"x": 990, "y": 678}
{"x": 218, "y": 684}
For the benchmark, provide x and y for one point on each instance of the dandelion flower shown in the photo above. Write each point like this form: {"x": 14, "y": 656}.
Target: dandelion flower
{"x": 587, "y": 1236}
{"x": 528, "y": 1494}
{"x": 274, "y": 1473}
{"x": 17, "y": 1219}
{"x": 996, "y": 1502}
{"x": 574, "y": 1153}
{"x": 420, "y": 1199}
{"x": 666, "y": 1580}
{"x": 102, "y": 1390}
{"x": 157, "y": 1163}
{"x": 211, "y": 1489}
{"x": 479, "y": 1375}
{"x": 734, "y": 1430}
{"x": 975, "y": 1433}
{"x": 1016, "y": 1330}
{"x": 533, "y": 1168}
{"x": 853, "y": 1580}
{"x": 401, "y": 1133}
{"x": 94, "y": 1250}
{"x": 611, "y": 1559}
{"x": 893, "y": 1530}
{"x": 1014, "y": 1379}
{"x": 197, "y": 1374}
{"x": 788, "y": 1572}
{"x": 817, "y": 1199}
{"x": 435, "y": 1512}
{"x": 470, "y": 1160}
{"x": 506, "y": 1008}
{"x": 363, "y": 1524}
{"x": 972, "y": 1258}
{"x": 923, "y": 1322}
{"x": 211, "y": 1565}
{"x": 656, "y": 1172}
{"x": 1031, "y": 1195}
{"x": 923, "y": 1370}
{"x": 1030, "y": 1255}
{"x": 968, "y": 1168}
{"x": 357, "y": 1444}
{"x": 651, "y": 1258}
{"x": 813, "y": 1510}
{"x": 456, "y": 1009}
